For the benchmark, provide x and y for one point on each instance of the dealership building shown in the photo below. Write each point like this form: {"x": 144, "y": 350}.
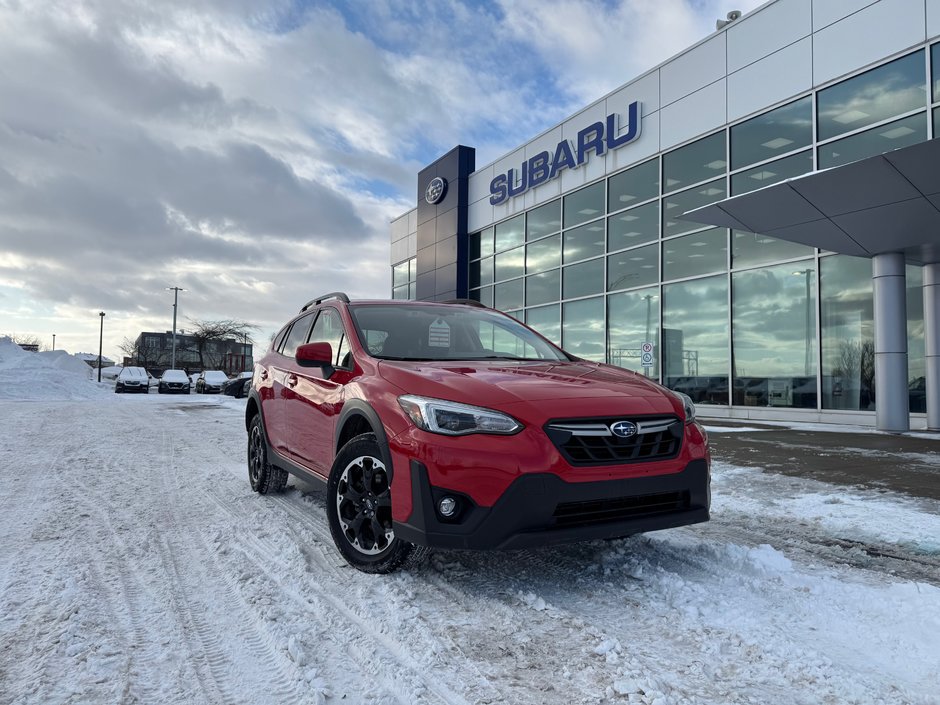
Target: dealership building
{"x": 754, "y": 222}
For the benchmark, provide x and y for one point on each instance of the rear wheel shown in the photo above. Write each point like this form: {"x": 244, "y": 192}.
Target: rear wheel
{"x": 359, "y": 509}
{"x": 264, "y": 477}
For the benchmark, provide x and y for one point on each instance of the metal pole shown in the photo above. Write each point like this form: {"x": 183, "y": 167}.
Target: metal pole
{"x": 806, "y": 357}
{"x": 53, "y": 342}
{"x": 100, "y": 341}
{"x": 176, "y": 290}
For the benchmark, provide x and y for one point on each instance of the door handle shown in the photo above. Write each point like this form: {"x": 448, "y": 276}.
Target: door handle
{"x": 291, "y": 380}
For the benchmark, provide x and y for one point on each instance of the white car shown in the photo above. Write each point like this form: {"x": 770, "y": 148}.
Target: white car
{"x": 132, "y": 379}
{"x": 210, "y": 381}
{"x": 173, "y": 382}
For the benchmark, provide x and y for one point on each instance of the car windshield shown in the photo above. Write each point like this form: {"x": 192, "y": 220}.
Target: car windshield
{"x": 421, "y": 332}
{"x": 174, "y": 376}
{"x": 215, "y": 377}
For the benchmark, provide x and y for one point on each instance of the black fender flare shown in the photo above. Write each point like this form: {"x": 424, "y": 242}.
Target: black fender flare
{"x": 361, "y": 408}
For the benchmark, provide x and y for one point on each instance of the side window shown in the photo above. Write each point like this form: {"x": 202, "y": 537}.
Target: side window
{"x": 297, "y": 335}
{"x": 329, "y": 329}
{"x": 279, "y": 338}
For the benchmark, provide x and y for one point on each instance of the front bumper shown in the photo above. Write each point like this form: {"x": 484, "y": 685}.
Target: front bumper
{"x": 541, "y": 508}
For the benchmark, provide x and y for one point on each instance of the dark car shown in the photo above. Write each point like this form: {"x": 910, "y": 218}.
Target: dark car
{"x": 454, "y": 425}
{"x": 173, "y": 382}
{"x": 238, "y": 387}
{"x": 210, "y": 382}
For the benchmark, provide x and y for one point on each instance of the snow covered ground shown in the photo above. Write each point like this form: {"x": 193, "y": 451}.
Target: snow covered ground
{"x": 137, "y": 566}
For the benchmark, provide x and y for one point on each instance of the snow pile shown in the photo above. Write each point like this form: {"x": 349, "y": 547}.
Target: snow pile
{"x": 46, "y": 376}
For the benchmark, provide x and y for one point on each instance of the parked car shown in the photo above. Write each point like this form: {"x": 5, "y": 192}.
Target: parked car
{"x": 239, "y": 386}
{"x": 173, "y": 382}
{"x": 453, "y": 425}
{"x": 132, "y": 379}
{"x": 210, "y": 382}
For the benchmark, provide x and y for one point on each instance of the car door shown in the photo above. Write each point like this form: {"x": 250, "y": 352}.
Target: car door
{"x": 317, "y": 397}
{"x": 280, "y": 372}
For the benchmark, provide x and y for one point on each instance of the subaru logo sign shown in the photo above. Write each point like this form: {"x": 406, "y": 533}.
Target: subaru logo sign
{"x": 436, "y": 190}
{"x": 623, "y": 429}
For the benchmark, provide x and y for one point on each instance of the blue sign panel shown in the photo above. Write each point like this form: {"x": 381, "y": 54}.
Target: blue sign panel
{"x": 545, "y": 166}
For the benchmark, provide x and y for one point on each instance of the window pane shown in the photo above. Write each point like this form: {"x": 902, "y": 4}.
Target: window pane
{"x": 543, "y": 288}
{"x": 400, "y": 274}
{"x": 772, "y": 173}
{"x": 481, "y": 272}
{"x": 584, "y": 279}
{"x": 583, "y": 328}
{"x": 584, "y": 204}
{"x": 400, "y": 292}
{"x": 873, "y": 96}
{"x": 749, "y": 249}
{"x": 936, "y": 122}
{"x": 773, "y": 318}
{"x": 510, "y": 264}
{"x": 916, "y": 365}
{"x": 508, "y": 295}
{"x": 636, "y": 184}
{"x": 680, "y": 203}
{"x": 780, "y": 131}
{"x": 848, "y": 350}
{"x": 484, "y": 296}
{"x": 878, "y": 140}
{"x": 695, "y": 162}
{"x": 633, "y": 227}
{"x": 510, "y": 233}
{"x": 633, "y": 319}
{"x": 935, "y": 72}
{"x": 547, "y": 321}
{"x": 695, "y": 339}
{"x": 413, "y": 291}
{"x": 699, "y": 253}
{"x": 543, "y": 254}
{"x": 586, "y": 241}
{"x": 543, "y": 220}
{"x": 637, "y": 267}
{"x": 484, "y": 243}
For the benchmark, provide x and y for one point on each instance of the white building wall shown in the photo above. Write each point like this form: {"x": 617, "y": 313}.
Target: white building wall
{"x": 781, "y": 50}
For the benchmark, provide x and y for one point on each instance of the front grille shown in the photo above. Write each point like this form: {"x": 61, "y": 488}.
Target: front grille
{"x": 598, "y": 511}
{"x": 591, "y": 442}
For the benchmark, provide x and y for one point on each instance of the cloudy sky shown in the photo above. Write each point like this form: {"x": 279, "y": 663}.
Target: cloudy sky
{"x": 253, "y": 152}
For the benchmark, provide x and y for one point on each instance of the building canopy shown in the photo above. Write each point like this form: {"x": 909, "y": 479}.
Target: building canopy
{"x": 886, "y": 203}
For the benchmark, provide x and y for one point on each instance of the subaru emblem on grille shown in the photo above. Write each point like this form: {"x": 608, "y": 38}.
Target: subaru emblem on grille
{"x": 623, "y": 429}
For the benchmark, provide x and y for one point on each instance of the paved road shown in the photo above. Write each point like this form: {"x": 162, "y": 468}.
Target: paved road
{"x": 873, "y": 460}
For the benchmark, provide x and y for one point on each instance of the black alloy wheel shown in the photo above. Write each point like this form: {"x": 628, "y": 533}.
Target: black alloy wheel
{"x": 359, "y": 509}
{"x": 263, "y": 477}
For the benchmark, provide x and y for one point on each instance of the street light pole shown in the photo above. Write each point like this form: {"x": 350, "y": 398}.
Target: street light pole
{"x": 53, "y": 342}
{"x": 176, "y": 291}
{"x": 100, "y": 340}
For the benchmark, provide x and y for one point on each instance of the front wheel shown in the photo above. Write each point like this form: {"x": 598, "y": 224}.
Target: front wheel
{"x": 264, "y": 477}
{"x": 359, "y": 509}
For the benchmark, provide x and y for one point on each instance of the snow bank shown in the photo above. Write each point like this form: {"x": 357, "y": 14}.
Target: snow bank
{"x": 45, "y": 376}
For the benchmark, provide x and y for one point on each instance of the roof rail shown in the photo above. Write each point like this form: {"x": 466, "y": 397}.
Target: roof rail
{"x": 332, "y": 295}
{"x": 465, "y": 302}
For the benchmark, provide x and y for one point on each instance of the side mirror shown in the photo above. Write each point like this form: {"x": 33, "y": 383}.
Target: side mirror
{"x": 316, "y": 355}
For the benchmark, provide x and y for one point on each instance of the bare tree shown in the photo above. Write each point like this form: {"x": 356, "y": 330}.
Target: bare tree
{"x": 143, "y": 357}
{"x": 27, "y": 339}
{"x": 207, "y": 336}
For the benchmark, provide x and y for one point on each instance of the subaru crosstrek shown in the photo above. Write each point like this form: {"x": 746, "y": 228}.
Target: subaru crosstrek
{"x": 452, "y": 425}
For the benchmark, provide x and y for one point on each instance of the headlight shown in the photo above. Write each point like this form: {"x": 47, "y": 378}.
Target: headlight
{"x": 453, "y": 419}
{"x": 689, "y": 406}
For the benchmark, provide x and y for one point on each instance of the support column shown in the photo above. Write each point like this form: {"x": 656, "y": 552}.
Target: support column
{"x": 932, "y": 342}
{"x": 892, "y": 407}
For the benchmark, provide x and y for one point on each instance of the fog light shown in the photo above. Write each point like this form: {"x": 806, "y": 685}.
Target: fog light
{"x": 447, "y": 506}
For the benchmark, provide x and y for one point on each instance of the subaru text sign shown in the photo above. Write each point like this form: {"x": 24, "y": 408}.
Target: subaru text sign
{"x": 598, "y": 137}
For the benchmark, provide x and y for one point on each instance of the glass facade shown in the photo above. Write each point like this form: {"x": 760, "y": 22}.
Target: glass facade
{"x": 734, "y": 317}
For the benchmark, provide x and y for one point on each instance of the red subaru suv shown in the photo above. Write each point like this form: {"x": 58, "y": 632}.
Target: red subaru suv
{"x": 453, "y": 425}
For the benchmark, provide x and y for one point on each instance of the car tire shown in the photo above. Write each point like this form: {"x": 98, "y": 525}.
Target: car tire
{"x": 359, "y": 510}
{"x": 264, "y": 477}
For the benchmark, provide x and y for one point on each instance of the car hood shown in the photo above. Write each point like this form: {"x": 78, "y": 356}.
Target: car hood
{"x": 580, "y": 388}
